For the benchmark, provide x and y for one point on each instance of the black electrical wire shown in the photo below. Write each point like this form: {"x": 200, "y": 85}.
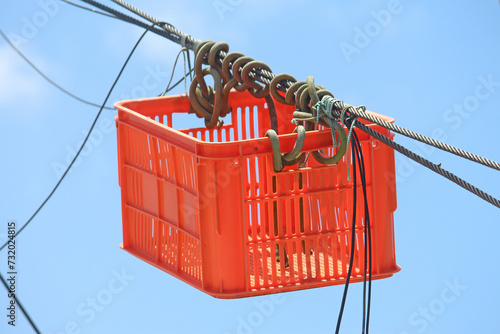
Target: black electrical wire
{"x": 69, "y": 166}
{"x": 367, "y": 238}
{"x": 353, "y": 240}
{"x": 32, "y": 323}
{"x": 358, "y": 162}
{"x": 84, "y": 141}
{"x": 46, "y": 77}
{"x": 103, "y": 106}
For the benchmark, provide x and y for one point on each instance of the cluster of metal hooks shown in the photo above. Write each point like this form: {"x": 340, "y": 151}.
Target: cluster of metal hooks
{"x": 235, "y": 71}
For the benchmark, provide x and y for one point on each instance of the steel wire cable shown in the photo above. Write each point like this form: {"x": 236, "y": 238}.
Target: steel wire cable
{"x": 432, "y": 166}
{"x": 265, "y": 76}
{"x": 166, "y": 30}
{"x": 421, "y": 138}
{"x": 138, "y": 12}
{"x": 89, "y": 9}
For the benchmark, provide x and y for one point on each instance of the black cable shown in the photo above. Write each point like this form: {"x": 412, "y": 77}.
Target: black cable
{"x": 368, "y": 228}
{"x": 84, "y": 141}
{"x": 353, "y": 240}
{"x": 46, "y": 77}
{"x": 32, "y": 323}
{"x": 367, "y": 238}
{"x": 358, "y": 155}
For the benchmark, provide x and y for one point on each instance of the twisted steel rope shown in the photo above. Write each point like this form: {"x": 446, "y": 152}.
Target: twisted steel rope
{"x": 432, "y": 166}
{"x": 421, "y": 138}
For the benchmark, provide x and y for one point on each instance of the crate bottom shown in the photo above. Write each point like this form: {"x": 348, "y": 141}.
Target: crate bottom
{"x": 258, "y": 291}
{"x": 324, "y": 268}
{"x": 297, "y": 270}
{"x": 166, "y": 268}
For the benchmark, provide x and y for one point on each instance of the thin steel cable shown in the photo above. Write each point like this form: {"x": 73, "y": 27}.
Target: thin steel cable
{"x": 151, "y": 19}
{"x": 173, "y": 34}
{"x": 89, "y": 9}
{"x": 167, "y": 30}
{"x": 263, "y": 75}
{"x": 175, "y": 85}
{"x": 32, "y": 323}
{"x": 84, "y": 141}
{"x": 337, "y": 107}
{"x": 424, "y": 139}
{"x": 138, "y": 11}
{"x": 46, "y": 77}
{"x": 182, "y": 50}
{"x": 130, "y": 19}
{"x": 432, "y": 166}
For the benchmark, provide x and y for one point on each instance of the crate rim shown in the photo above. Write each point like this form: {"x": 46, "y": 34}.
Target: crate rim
{"x": 316, "y": 139}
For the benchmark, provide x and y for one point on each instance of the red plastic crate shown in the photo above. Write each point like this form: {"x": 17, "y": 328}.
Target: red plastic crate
{"x": 207, "y": 207}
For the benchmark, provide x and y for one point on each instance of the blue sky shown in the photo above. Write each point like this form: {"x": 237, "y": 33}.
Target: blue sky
{"x": 431, "y": 65}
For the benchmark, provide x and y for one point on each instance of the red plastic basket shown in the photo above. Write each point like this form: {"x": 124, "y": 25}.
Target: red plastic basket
{"x": 207, "y": 207}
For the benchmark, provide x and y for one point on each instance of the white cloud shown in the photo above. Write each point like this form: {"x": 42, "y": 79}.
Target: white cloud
{"x": 19, "y": 83}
